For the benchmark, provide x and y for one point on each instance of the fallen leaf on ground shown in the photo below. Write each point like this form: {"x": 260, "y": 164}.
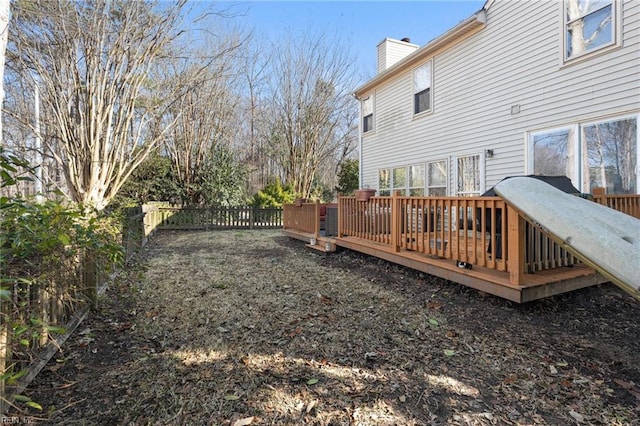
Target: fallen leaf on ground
{"x": 243, "y": 422}
{"x": 311, "y": 405}
{"x": 577, "y": 416}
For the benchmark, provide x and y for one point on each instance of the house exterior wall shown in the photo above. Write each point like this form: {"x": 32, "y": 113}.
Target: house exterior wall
{"x": 515, "y": 60}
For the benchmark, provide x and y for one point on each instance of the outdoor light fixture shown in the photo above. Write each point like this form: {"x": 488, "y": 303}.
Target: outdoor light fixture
{"x": 489, "y": 153}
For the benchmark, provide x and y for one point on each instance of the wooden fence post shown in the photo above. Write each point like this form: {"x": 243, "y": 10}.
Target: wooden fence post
{"x": 317, "y": 220}
{"x": 396, "y": 217}
{"x": 515, "y": 245}
{"x": 600, "y": 195}
{"x": 340, "y": 209}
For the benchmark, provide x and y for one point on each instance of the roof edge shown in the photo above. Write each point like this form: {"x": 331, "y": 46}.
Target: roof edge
{"x": 477, "y": 20}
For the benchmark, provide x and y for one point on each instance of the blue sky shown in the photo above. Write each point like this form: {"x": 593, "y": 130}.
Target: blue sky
{"x": 361, "y": 24}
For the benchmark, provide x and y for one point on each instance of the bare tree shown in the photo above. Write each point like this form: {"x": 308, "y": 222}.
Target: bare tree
{"x": 92, "y": 61}
{"x": 203, "y": 118}
{"x": 309, "y": 107}
{"x": 254, "y": 70}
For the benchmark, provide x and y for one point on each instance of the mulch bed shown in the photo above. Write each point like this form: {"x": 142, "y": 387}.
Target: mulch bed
{"x": 250, "y": 327}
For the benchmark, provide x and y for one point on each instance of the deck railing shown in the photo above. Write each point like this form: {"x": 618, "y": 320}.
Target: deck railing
{"x": 625, "y": 203}
{"x": 480, "y": 231}
{"x": 302, "y": 217}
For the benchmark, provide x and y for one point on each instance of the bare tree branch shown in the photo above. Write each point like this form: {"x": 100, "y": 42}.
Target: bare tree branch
{"x": 92, "y": 61}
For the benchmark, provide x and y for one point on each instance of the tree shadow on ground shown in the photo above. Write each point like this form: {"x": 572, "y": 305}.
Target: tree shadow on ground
{"x": 261, "y": 327}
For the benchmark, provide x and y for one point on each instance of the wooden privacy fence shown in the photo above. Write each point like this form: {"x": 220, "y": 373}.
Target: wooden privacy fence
{"x": 217, "y": 218}
{"x": 144, "y": 220}
{"x": 40, "y": 315}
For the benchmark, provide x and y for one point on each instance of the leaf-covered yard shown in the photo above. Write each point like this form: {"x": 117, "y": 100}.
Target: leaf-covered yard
{"x": 249, "y": 327}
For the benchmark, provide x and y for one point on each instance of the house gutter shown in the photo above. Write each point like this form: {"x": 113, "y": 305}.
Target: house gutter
{"x": 478, "y": 20}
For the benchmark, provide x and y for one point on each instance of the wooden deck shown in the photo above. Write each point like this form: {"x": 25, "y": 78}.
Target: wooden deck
{"x": 534, "y": 286}
{"x": 478, "y": 242}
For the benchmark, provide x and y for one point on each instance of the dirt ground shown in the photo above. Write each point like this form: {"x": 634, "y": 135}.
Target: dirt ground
{"x": 251, "y": 328}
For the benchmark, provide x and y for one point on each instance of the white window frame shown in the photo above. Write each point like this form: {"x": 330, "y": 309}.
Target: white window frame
{"x": 371, "y": 99}
{"x": 573, "y": 139}
{"x": 416, "y": 90}
{"x": 406, "y": 187}
{"x": 584, "y": 174}
{"x": 410, "y": 187}
{"x": 481, "y": 165}
{"x": 403, "y": 188}
{"x": 429, "y": 187}
{"x": 580, "y": 174}
{"x": 384, "y": 191}
{"x": 616, "y": 32}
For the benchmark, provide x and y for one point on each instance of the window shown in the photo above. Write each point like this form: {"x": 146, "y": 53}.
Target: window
{"x": 367, "y": 114}
{"x": 416, "y": 180}
{"x": 469, "y": 176}
{"x": 404, "y": 179}
{"x": 399, "y": 181}
{"x": 589, "y": 25}
{"x": 384, "y": 182}
{"x": 553, "y": 153}
{"x": 422, "y": 88}
{"x": 599, "y": 154}
{"x": 437, "y": 178}
{"x": 611, "y": 158}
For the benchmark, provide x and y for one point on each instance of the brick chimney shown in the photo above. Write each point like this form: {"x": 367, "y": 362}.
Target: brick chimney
{"x": 391, "y": 51}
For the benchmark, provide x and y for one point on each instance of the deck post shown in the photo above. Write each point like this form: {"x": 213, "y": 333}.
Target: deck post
{"x": 600, "y": 195}
{"x": 395, "y": 221}
{"x": 515, "y": 245}
{"x": 317, "y": 220}
{"x": 340, "y": 208}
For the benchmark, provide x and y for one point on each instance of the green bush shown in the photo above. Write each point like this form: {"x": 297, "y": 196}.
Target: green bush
{"x": 222, "y": 179}
{"x": 43, "y": 249}
{"x": 153, "y": 180}
{"x": 274, "y": 195}
{"x": 348, "y": 177}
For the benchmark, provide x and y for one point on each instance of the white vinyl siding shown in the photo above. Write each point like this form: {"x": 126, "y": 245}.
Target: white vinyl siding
{"x": 515, "y": 60}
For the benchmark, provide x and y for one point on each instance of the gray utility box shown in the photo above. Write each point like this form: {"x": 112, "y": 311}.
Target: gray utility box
{"x": 331, "y": 222}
